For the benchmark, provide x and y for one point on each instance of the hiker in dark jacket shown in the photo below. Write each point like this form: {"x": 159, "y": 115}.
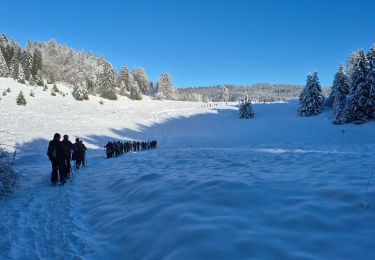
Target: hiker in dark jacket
{"x": 109, "y": 149}
{"x": 55, "y": 154}
{"x": 83, "y": 152}
{"x": 67, "y": 147}
{"x": 77, "y": 154}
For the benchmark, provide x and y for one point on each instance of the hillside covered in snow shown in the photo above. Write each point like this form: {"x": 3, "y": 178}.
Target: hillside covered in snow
{"x": 276, "y": 186}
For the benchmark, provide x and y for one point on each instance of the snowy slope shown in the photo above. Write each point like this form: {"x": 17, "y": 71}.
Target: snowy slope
{"x": 278, "y": 186}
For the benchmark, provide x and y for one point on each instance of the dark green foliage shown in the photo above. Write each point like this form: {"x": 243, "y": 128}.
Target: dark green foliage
{"x": 37, "y": 65}
{"x": 21, "y": 101}
{"x": 246, "y": 109}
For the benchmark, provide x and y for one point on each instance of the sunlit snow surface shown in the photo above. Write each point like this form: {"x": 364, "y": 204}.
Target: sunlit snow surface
{"x": 275, "y": 187}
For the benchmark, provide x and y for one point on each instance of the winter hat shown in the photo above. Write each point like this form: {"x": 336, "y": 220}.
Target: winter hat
{"x": 56, "y": 136}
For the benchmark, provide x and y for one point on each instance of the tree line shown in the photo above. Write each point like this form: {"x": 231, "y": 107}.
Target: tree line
{"x": 352, "y": 96}
{"x": 41, "y": 63}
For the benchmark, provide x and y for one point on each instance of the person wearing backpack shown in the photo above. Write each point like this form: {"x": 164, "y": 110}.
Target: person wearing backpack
{"x": 55, "y": 154}
{"x": 83, "y": 149}
{"x": 68, "y": 147}
{"x": 77, "y": 154}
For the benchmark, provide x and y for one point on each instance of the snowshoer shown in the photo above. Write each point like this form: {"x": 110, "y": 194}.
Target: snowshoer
{"x": 77, "y": 154}
{"x": 109, "y": 149}
{"x": 55, "y": 154}
{"x": 67, "y": 147}
{"x": 83, "y": 152}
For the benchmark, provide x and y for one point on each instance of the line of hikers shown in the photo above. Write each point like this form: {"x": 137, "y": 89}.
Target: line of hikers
{"x": 114, "y": 149}
{"x": 60, "y": 153}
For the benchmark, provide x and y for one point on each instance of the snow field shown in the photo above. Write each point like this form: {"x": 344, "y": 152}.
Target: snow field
{"x": 275, "y": 187}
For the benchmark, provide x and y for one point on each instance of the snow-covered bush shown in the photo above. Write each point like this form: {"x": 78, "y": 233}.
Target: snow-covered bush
{"x": 8, "y": 175}
{"x": 311, "y": 98}
{"x": 32, "y": 94}
{"x": 21, "y": 100}
{"x": 246, "y": 109}
{"x": 54, "y": 90}
{"x": 79, "y": 93}
{"x": 9, "y": 90}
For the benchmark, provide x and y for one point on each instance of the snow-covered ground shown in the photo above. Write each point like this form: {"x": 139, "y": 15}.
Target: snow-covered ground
{"x": 278, "y": 186}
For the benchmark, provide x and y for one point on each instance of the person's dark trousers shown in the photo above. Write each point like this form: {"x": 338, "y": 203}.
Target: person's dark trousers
{"x": 57, "y": 171}
{"x": 83, "y": 157}
{"x": 67, "y": 166}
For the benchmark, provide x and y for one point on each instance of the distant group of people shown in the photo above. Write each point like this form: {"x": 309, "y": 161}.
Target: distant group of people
{"x": 60, "y": 153}
{"x": 117, "y": 148}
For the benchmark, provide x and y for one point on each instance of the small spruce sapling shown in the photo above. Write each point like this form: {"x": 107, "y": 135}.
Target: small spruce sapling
{"x": 246, "y": 109}
{"x": 21, "y": 101}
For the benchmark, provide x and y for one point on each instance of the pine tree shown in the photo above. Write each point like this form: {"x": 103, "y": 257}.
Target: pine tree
{"x": 371, "y": 80}
{"x": 26, "y": 62}
{"x": 124, "y": 77}
{"x": 21, "y": 101}
{"x": 37, "y": 65}
{"x": 140, "y": 77}
{"x": 8, "y": 52}
{"x": 38, "y": 79}
{"x": 21, "y": 74}
{"x": 14, "y": 64}
{"x": 311, "y": 99}
{"x": 122, "y": 90}
{"x": 4, "y": 71}
{"x": 246, "y": 109}
{"x": 32, "y": 94}
{"x": 165, "y": 89}
{"x": 340, "y": 89}
{"x": 90, "y": 86}
{"x": 135, "y": 92}
{"x": 224, "y": 95}
{"x": 357, "y": 107}
{"x": 107, "y": 82}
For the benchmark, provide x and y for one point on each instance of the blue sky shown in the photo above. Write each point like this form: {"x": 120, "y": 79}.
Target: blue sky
{"x": 204, "y": 42}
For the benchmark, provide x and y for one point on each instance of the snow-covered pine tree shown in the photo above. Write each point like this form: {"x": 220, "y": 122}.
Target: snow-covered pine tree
{"x": 165, "y": 89}
{"x": 4, "y": 70}
{"x": 356, "y": 109}
{"x": 107, "y": 82}
{"x": 14, "y": 63}
{"x": 26, "y": 62}
{"x": 32, "y": 94}
{"x": 140, "y": 77}
{"x": 224, "y": 94}
{"x": 340, "y": 89}
{"x": 246, "y": 109}
{"x": 37, "y": 65}
{"x": 371, "y": 80}
{"x": 21, "y": 74}
{"x": 38, "y": 79}
{"x": 90, "y": 86}
{"x": 21, "y": 101}
{"x": 311, "y": 99}
{"x": 123, "y": 90}
{"x": 135, "y": 92}
{"x": 124, "y": 77}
